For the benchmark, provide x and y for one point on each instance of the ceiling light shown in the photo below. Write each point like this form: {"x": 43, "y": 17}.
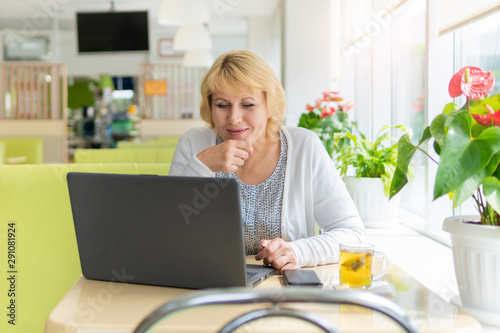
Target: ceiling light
{"x": 192, "y": 36}
{"x": 198, "y": 58}
{"x": 179, "y": 12}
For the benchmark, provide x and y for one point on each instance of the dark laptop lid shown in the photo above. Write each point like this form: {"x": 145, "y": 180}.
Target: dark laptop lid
{"x": 160, "y": 230}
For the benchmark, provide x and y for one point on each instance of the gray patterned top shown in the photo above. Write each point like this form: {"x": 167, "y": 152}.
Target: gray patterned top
{"x": 261, "y": 205}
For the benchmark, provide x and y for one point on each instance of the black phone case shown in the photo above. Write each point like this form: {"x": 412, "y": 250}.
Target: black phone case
{"x": 298, "y": 277}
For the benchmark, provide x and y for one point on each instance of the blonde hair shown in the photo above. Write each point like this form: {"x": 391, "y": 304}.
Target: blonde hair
{"x": 240, "y": 70}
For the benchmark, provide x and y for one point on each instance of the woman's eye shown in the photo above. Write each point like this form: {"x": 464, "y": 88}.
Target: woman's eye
{"x": 222, "y": 106}
{"x": 249, "y": 105}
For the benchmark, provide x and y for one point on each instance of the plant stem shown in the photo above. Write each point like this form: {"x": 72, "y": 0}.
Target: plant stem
{"x": 429, "y": 156}
{"x": 479, "y": 206}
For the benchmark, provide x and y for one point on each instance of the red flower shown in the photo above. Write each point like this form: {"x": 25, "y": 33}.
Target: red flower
{"x": 477, "y": 85}
{"x": 493, "y": 118}
{"x": 309, "y": 108}
{"x": 347, "y": 106}
{"x": 330, "y": 93}
{"x": 327, "y": 111}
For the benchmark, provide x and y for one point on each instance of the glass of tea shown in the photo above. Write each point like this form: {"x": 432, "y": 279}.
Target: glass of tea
{"x": 355, "y": 264}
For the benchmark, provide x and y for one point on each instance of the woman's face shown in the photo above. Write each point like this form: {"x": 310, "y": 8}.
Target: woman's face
{"x": 240, "y": 116}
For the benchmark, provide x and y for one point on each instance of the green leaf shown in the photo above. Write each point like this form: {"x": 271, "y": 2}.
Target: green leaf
{"x": 437, "y": 129}
{"x": 477, "y": 106}
{"x": 491, "y": 188}
{"x": 449, "y": 108}
{"x": 326, "y": 123}
{"x": 406, "y": 151}
{"x": 312, "y": 123}
{"x": 426, "y": 135}
{"x": 329, "y": 145}
{"x": 437, "y": 147}
{"x": 302, "y": 121}
{"x": 461, "y": 156}
{"x": 471, "y": 185}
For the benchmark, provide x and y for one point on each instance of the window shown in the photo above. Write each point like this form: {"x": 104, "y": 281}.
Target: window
{"x": 396, "y": 54}
{"x": 477, "y": 45}
{"x": 408, "y": 92}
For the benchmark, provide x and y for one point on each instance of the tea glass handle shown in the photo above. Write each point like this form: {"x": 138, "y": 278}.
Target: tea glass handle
{"x": 384, "y": 265}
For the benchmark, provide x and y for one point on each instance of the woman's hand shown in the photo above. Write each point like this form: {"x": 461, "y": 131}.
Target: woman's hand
{"x": 228, "y": 156}
{"x": 278, "y": 254}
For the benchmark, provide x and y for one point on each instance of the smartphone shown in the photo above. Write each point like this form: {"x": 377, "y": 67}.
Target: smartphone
{"x": 298, "y": 277}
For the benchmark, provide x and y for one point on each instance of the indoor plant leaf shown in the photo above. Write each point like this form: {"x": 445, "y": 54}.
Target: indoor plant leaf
{"x": 470, "y": 186}
{"x": 406, "y": 151}
{"x": 449, "y": 108}
{"x": 437, "y": 128}
{"x": 329, "y": 145}
{"x": 477, "y": 106}
{"x": 491, "y": 187}
{"x": 461, "y": 156}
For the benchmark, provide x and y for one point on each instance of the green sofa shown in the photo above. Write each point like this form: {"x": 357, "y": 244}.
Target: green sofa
{"x": 22, "y": 150}
{"x": 37, "y": 224}
{"x": 137, "y": 155}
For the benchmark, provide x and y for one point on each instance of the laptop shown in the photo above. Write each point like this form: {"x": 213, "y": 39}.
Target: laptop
{"x": 183, "y": 232}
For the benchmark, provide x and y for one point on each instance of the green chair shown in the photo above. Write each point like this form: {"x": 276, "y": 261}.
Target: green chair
{"x": 164, "y": 139}
{"x": 145, "y": 155}
{"x": 23, "y": 150}
{"x": 2, "y": 152}
{"x": 37, "y": 228}
{"x": 145, "y": 144}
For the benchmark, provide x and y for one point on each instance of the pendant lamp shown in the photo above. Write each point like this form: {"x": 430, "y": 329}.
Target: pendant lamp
{"x": 192, "y": 36}
{"x": 179, "y": 12}
{"x": 198, "y": 58}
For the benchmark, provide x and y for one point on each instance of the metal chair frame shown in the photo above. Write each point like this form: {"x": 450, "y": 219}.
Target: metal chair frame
{"x": 276, "y": 297}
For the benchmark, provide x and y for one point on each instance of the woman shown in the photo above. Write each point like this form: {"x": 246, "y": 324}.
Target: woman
{"x": 287, "y": 180}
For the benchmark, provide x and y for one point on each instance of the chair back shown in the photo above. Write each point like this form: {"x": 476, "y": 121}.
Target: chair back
{"x": 139, "y": 155}
{"x": 23, "y": 150}
{"x": 37, "y": 222}
{"x": 278, "y": 298}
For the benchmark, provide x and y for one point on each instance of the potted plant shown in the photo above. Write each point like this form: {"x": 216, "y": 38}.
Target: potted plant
{"x": 467, "y": 141}
{"x": 327, "y": 117}
{"x": 373, "y": 164}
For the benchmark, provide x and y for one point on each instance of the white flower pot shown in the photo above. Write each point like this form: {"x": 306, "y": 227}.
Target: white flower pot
{"x": 476, "y": 257}
{"x": 373, "y": 206}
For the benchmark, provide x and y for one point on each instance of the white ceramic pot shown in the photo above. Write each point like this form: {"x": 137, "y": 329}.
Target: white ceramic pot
{"x": 373, "y": 206}
{"x": 476, "y": 257}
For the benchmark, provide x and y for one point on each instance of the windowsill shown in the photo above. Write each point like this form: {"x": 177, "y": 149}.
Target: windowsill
{"x": 428, "y": 261}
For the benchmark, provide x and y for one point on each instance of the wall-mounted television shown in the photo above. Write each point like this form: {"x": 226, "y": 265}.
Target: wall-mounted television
{"x": 112, "y": 31}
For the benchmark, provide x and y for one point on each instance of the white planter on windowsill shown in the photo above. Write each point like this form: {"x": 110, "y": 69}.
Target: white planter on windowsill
{"x": 373, "y": 206}
{"x": 476, "y": 257}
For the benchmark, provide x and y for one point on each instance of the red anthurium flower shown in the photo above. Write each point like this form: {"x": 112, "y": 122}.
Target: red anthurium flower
{"x": 327, "y": 111}
{"x": 477, "y": 85}
{"x": 330, "y": 93}
{"x": 455, "y": 83}
{"x": 480, "y": 84}
{"x": 491, "y": 119}
{"x": 347, "y": 106}
{"x": 309, "y": 108}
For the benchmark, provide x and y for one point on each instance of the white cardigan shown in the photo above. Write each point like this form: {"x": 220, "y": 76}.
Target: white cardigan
{"x": 313, "y": 192}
